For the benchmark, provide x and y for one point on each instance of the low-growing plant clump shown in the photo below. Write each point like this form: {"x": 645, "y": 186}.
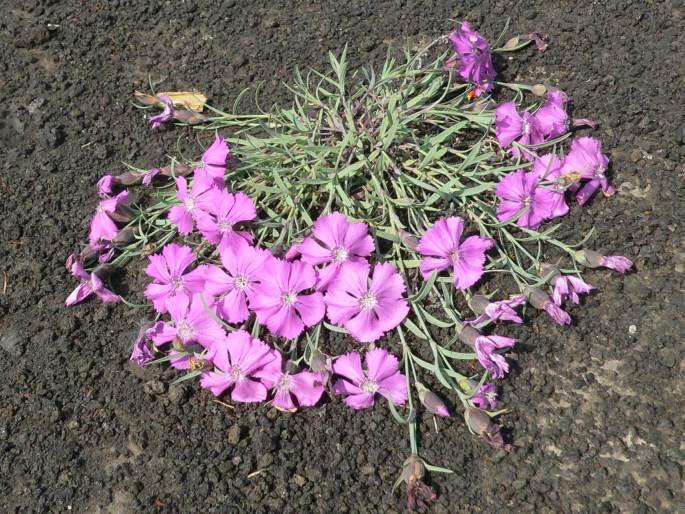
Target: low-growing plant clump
{"x": 401, "y": 215}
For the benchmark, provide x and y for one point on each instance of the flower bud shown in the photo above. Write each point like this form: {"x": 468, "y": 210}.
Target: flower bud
{"x": 480, "y": 424}
{"x": 589, "y": 258}
{"x": 548, "y": 270}
{"x": 419, "y": 494}
{"x": 432, "y": 401}
{"x": 409, "y": 240}
{"x": 130, "y": 178}
{"x": 179, "y": 170}
{"x": 539, "y": 90}
{"x": 512, "y": 43}
{"x": 125, "y": 237}
{"x": 190, "y": 117}
{"x": 470, "y": 387}
{"x": 537, "y": 297}
{"x": 319, "y": 362}
{"x": 592, "y": 259}
{"x": 103, "y": 270}
{"x": 122, "y": 214}
{"x": 478, "y": 303}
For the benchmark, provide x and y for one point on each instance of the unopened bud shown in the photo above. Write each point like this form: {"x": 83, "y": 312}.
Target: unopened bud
{"x": 103, "y": 271}
{"x": 539, "y": 90}
{"x": 125, "y": 237}
{"x": 190, "y": 117}
{"x": 512, "y": 43}
{"x": 319, "y": 362}
{"x": 549, "y": 271}
{"x": 179, "y": 170}
{"x": 470, "y": 387}
{"x": 478, "y": 303}
{"x": 409, "y": 240}
{"x": 432, "y": 401}
{"x": 122, "y": 214}
{"x": 479, "y": 423}
{"x": 130, "y": 178}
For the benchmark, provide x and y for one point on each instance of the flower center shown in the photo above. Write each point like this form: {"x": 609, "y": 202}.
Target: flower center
{"x": 185, "y": 330}
{"x": 241, "y": 282}
{"x": 340, "y": 254}
{"x": 196, "y": 363}
{"x": 490, "y": 395}
{"x": 236, "y": 373}
{"x": 368, "y": 301}
{"x": 369, "y": 386}
{"x": 285, "y": 383}
{"x": 224, "y": 226}
{"x": 190, "y": 204}
{"x": 176, "y": 282}
{"x": 526, "y": 127}
{"x": 600, "y": 170}
{"x": 527, "y": 201}
{"x": 455, "y": 255}
{"x": 289, "y": 298}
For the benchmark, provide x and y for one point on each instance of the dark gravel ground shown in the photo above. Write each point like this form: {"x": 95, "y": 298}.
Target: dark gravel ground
{"x": 598, "y": 408}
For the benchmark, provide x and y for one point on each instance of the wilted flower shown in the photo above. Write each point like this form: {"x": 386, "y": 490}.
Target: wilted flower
{"x": 91, "y": 283}
{"x": 141, "y": 353}
{"x": 238, "y": 360}
{"x": 432, "y": 401}
{"x": 106, "y": 186}
{"x": 103, "y": 226}
{"x": 586, "y": 159}
{"x": 495, "y": 311}
{"x": 225, "y": 211}
{"x": 234, "y": 286}
{"x": 486, "y": 397}
{"x": 194, "y": 203}
{"x": 148, "y": 175}
{"x": 366, "y": 310}
{"x": 419, "y": 494}
{"x": 521, "y": 193}
{"x": 565, "y": 286}
{"x": 165, "y": 116}
{"x": 442, "y": 247}
{"x": 334, "y": 241}
{"x": 592, "y": 259}
{"x": 485, "y": 347}
{"x": 551, "y": 118}
{"x": 214, "y": 161}
{"x": 541, "y": 300}
{"x": 382, "y": 376}
{"x": 280, "y": 301}
{"x": 475, "y": 58}
{"x": 480, "y": 424}
{"x": 170, "y": 277}
{"x": 511, "y": 126}
{"x": 292, "y": 390}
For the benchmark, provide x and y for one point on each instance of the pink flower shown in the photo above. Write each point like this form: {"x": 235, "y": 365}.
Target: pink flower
{"x": 191, "y": 322}
{"x": 521, "y": 194}
{"x": 548, "y": 169}
{"x": 431, "y": 401}
{"x": 586, "y": 159}
{"x": 541, "y": 300}
{"x": 495, "y": 311}
{"x": 240, "y": 361}
{"x": 170, "y": 278}
{"x": 106, "y": 186}
{"x": 486, "y": 397}
{"x": 102, "y": 226}
{"x": 225, "y": 211}
{"x": 91, "y": 283}
{"x": 485, "y": 347}
{"x": 442, "y": 247}
{"x": 551, "y": 118}
{"x": 165, "y": 116}
{"x": 475, "y": 58}
{"x": 234, "y": 286}
{"x": 292, "y": 390}
{"x": 593, "y": 259}
{"x": 149, "y": 175}
{"x": 279, "y": 302}
{"x": 141, "y": 353}
{"x": 367, "y": 311}
{"x": 511, "y": 126}
{"x": 568, "y": 286}
{"x": 194, "y": 203}
{"x": 214, "y": 161}
{"x": 335, "y": 240}
{"x": 382, "y": 376}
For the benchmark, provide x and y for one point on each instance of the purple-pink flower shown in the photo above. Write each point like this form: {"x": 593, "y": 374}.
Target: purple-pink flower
{"x": 141, "y": 353}
{"x": 511, "y": 126}
{"x": 585, "y": 158}
{"x": 281, "y": 302}
{"x": 541, "y": 300}
{"x": 552, "y": 119}
{"x": 106, "y": 186}
{"x": 292, "y": 390}
{"x": 334, "y": 241}
{"x": 486, "y": 397}
{"x": 224, "y": 211}
{"x": 568, "y": 286}
{"x": 194, "y": 202}
{"x": 214, "y": 161}
{"x": 441, "y": 247}
{"x": 240, "y": 361}
{"x": 501, "y": 310}
{"x": 475, "y": 58}
{"x": 366, "y": 310}
{"x": 102, "y": 226}
{"x": 485, "y": 347}
{"x": 233, "y": 285}
{"x": 91, "y": 283}
{"x": 593, "y": 259}
{"x": 522, "y": 194}
{"x": 170, "y": 279}
{"x": 165, "y": 116}
{"x": 381, "y": 376}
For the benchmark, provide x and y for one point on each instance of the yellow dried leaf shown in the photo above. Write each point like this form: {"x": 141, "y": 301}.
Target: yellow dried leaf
{"x": 189, "y": 99}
